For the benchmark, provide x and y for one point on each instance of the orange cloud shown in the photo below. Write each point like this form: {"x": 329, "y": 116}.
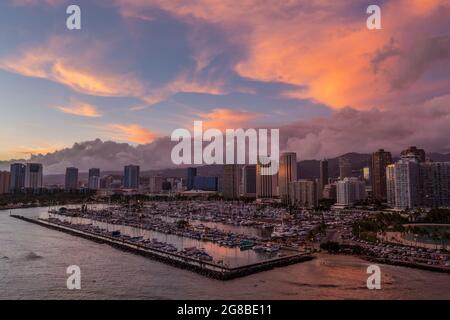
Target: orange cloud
{"x": 131, "y": 133}
{"x": 183, "y": 83}
{"x": 223, "y": 118}
{"x": 35, "y": 150}
{"x": 53, "y": 63}
{"x": 83, "y": 75}
{"x": 323, "y": 45}
{"x": 80, "y": 109}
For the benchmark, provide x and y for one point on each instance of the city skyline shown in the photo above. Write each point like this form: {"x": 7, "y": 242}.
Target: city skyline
{"x": 225, "y": 156}
{"x": 339, "y": 84}
{"x": 413, "y": 180}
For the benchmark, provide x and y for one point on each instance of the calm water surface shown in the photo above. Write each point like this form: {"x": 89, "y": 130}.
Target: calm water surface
{"x": 33, "y": 262}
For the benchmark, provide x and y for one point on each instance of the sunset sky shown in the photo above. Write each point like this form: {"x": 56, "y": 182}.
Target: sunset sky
{"x": 140, "y": 68}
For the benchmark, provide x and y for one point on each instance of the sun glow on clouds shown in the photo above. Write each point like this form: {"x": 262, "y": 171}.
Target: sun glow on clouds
{"x": 131, "y": 133}
{"x": 80, "y": 109}
{"x": 29, "y": 150}
{"x": 320, "y": 47}
{"x": 323, "y": 45}
{"x": 26, "y": 151}
{"x": 53, "y": 62}
{"x": 91, "y": 73}
{"x": 223, "y": 118}
{"x": 182, "y": 84}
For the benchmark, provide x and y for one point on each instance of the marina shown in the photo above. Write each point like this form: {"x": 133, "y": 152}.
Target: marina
{"x": 182, "y": 260}
{"x": 207, "y": 251}
{"x": 35, "y": 259}
{"x": 231, "y": 235}
{"x": 230, "y": 249}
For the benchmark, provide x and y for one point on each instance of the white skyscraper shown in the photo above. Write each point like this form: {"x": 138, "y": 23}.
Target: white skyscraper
{"x": 350, "y": 190}
{"x": 407, "y": 183}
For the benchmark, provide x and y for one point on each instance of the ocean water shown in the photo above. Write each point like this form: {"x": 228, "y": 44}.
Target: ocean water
{"x": 33, "y": 263}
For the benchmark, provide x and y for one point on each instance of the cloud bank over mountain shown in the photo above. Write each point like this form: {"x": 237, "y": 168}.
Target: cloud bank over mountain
{"x": 346, "y": 130}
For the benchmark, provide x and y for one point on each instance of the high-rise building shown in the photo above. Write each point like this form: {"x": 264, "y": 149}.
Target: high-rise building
{"x": 419, "y": 154}
{"x": 266, "y": 185}
{"x": 131, "y": 177}
{"x": 407, "y": 183}
{"x": 286, "y": 174}
{"x": 249, "y": 180}
{"x": 5, "y": 178}
{"x": 231, "y": 181}
{"x": 329, "y": 192}
{"x": 94, "y": 179}
{"x": 412, "y": 183}
{"x": 94, "y": 172}
{"x": 324, "y": 176}
{"x": 435, "y": 178}
{"x": 390, "y": 184}
{"x": 71, "y": 179}
{"x": 34, "y": 176}
{"x": 17, "y": 175}
{"x": 350, "y": 190}
{"x": 191, "y": 174}
{"x": 345, "y": 168}
{"x": 380, "y": 160}
{"x": 156, "y": 184}
{"x": 303, "y": 193}
{"x": 94, "y": 183}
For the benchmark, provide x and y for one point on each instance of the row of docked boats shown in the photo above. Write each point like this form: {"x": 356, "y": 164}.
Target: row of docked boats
{"x": 191, "y": 252}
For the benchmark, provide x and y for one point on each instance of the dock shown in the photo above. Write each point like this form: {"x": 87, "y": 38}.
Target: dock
{"x": 205, "y": 268}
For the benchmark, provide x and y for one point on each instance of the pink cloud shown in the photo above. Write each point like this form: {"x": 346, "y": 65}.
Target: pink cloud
{"x": 79, "y": 108}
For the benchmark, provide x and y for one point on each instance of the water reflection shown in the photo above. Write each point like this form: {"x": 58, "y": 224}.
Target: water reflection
{"x": 263, "y": 233}
{"x": 232, "y": 257}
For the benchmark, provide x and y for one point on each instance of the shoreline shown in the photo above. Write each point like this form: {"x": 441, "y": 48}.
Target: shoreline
{"x": 386, "y": 261}
{"x": 406, "y": 264}
{"x": 396, "y": 263}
